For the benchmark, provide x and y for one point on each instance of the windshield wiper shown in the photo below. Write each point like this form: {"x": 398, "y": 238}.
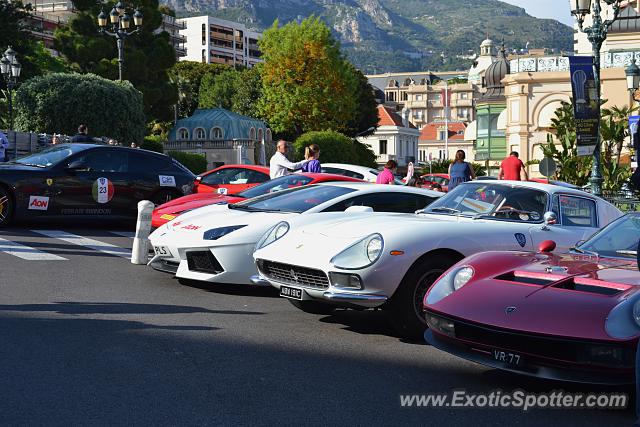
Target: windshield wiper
{"x": 584, "y": 251}
{"x": 35, "y": 165}
{"x": 443, "y": 209}
{"x": 252, "y": 209}
{"x": 627, "y": 252}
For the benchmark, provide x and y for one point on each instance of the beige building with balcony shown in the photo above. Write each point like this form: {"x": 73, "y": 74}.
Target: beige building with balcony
{"x": 427, "y": 102}
{"x": 217, "y": 41}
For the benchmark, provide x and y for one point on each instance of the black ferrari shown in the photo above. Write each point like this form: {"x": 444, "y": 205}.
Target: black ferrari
{"x": 88, "y": 181}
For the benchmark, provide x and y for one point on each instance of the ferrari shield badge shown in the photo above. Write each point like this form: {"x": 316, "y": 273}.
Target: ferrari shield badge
{"x": 521, "y": 239}
{"x": 49, "y": 182}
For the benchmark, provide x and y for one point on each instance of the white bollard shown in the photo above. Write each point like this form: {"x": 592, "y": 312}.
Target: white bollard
{"x": 140, "y": 250}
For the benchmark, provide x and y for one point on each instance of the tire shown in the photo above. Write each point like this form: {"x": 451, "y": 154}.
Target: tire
{"x": 6, "y": 207}
{"x": 313, "y": 307}
{"x": 163, "y": 196}
{"x": 405, "y": 307}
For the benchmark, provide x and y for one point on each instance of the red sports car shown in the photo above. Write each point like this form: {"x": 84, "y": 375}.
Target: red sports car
{"x": 437, "y": 178}
{"x": 170, "y": 210}
{"x": 571, "y": 317}
{"x": 230, "y": 179}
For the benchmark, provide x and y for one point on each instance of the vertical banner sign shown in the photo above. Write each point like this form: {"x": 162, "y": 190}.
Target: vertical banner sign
{"x": 634, "y": 131}
{"x": 585, "y": 103}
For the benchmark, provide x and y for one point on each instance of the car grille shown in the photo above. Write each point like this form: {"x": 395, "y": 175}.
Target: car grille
{"x": 547, "y": 347}
{"x": 294, "y": 275}
{"x": 203, "y": 262}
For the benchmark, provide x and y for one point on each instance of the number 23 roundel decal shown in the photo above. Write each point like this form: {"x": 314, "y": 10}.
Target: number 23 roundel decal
{"x": 102, "y": 190}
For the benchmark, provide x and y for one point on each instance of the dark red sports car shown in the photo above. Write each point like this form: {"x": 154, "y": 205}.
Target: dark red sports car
{"x": 230, "y": 179}
{"x": 572, "y": 317}
{"x": 169, "y": 211}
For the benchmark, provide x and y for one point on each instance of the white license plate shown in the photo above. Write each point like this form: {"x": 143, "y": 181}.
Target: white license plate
{"x": 293, "y": 293}
{"x": 162, "y": 251}
{"x": 507, "y": 357}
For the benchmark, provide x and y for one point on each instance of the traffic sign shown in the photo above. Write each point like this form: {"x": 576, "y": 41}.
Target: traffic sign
{"x": 547, "y": 167}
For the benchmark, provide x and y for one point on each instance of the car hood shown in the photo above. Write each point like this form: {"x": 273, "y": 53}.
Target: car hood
{"x": 567, "y": 295}
{"x": 13, "y": 167}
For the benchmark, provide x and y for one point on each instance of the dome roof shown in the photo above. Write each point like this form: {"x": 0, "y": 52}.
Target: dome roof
{"x": 486, "y": 42}
{"x": 494, "y": 75}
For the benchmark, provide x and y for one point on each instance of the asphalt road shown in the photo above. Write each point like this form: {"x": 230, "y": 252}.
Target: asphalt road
{"x": 89, "y": 338}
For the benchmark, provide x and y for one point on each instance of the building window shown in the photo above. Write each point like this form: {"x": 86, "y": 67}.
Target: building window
{"x": 391, "y": 96}
{"x": 260, "y": 134}
{"x": 252, "y": 134}
{"x": 216, "y": 133}
{"x": 383, "y": 146}
{"x": 464, "y": 95}
{"x": 404, "y": 96}
{"x": 183, "y": 133}
{"x": 442, "y": 135}
{"x": 442, "y": 154}
{"x": 204, "y": 55}
{"x": 204, "y": 34}
{"x": 268, "y": 135}
{"x": 417, "y": 114}
{"x": 419, "y": 97}
{"x": 199, "y": 133}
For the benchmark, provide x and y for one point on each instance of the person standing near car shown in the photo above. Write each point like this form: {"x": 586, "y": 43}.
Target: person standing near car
{"x": 312, "y": 153}
{"x": 4, "y": 144}
{"x": 279, "y": 165}
{"x": 460, "y": 171}
{"x": 511, "y": 168}
{"x": 386, "y": 176}
{"x": 82, "y": 135}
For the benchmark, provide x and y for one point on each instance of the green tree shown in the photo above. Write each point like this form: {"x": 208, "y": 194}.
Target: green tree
{"x": 148, "y": 55}
{"x": 60, "y": 102}
{"x": 187, "y": 76}
{"x": 218, "y": 90}
{"x": 366, "y": 114}
{"x": 335, "y": 147}
{"x": 248, "y": 92}
{"x": 306, "y": 85}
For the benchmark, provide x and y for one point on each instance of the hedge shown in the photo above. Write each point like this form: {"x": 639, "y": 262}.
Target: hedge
{"x": 335, "y": 148}
{"x": 59, "y": 102}
{"x": 153, "y": 143}
{"x": 196, "y": 163}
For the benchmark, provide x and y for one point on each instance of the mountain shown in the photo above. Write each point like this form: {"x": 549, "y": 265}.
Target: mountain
{"x": 399, "y": 35}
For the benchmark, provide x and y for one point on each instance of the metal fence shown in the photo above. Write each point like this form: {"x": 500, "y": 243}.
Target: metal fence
{"x": 626, "y": 200}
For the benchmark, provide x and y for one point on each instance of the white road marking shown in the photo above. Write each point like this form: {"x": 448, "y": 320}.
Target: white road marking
{"x": 96, "y": 245}
{"x": 130, "y": 234}
{"x": 27, "y": 252}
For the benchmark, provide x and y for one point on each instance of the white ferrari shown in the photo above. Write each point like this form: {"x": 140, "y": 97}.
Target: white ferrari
{"x": 215, "y": 243}
{"x": 324, "y": 261}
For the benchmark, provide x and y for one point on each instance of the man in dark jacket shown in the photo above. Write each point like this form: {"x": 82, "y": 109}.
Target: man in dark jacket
{"x": 82, "y": 135}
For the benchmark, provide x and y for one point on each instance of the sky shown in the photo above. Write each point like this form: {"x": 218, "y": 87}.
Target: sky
{"x": 555, "y": 9}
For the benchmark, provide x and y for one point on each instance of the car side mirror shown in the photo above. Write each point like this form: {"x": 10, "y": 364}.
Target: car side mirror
{"x": 546, "y": 246}
{"x": 75, "y": 166}
{"x": 550, "y": 218}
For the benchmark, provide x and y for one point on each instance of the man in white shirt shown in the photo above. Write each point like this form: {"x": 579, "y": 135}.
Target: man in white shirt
{"x": 4, "y": 144}
{"x": 279, "y": 165}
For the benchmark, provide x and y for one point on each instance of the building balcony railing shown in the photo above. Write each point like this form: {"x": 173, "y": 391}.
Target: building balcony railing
{"x": 561, "y": 63}
{"x": 196, "y": 144}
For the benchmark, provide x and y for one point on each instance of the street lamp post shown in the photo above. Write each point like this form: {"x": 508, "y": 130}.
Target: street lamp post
{"x": 120, "y": 23}
{"x": 596, "y": 34}
{"x": 10, "y": 69}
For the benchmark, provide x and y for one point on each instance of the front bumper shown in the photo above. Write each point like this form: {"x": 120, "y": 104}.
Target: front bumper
{"x": 231, "y": 264}
{"x": 534, "y": 360}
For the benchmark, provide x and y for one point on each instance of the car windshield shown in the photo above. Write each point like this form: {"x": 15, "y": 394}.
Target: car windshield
{"x": 618, "y": 239}
{"x": 50, "y": 156}
{"x": 296, "y": 200}
{"x": 492, "y": 201}
{"x": 282, "y": 183}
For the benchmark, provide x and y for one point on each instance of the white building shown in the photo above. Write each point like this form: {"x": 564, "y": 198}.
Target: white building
{"x": 395, "y": 138}
{"x": 217, "y": 41}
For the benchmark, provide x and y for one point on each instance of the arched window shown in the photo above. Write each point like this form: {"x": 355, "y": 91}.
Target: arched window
{"x": 199, "y": 133}
{"x": 260, "y": 134}
{"x": 268, "y": 135}
{"x": 408, "y": 82}
{"x": 183, "y": 133}
{"x": 216, "y": 133}
{"x": 392, "y": 83}
{"x": 252, "y": 134}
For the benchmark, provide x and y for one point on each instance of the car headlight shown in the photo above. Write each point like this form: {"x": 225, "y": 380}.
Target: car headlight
{"x": 623, "y": 320}
{"x": 453, "y": 280}
{"x": 361, "y": 254}
{"x": 274, "y": 233}
{"x": 216, "y": 233}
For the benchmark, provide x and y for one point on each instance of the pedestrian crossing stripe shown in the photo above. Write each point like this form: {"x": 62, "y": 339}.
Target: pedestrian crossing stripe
{"x": 27, "y": 252}
{"x": 96, "y": 245}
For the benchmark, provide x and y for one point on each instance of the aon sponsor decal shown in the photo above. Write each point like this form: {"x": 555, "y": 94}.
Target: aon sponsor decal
{"x": 38, "y": 203}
